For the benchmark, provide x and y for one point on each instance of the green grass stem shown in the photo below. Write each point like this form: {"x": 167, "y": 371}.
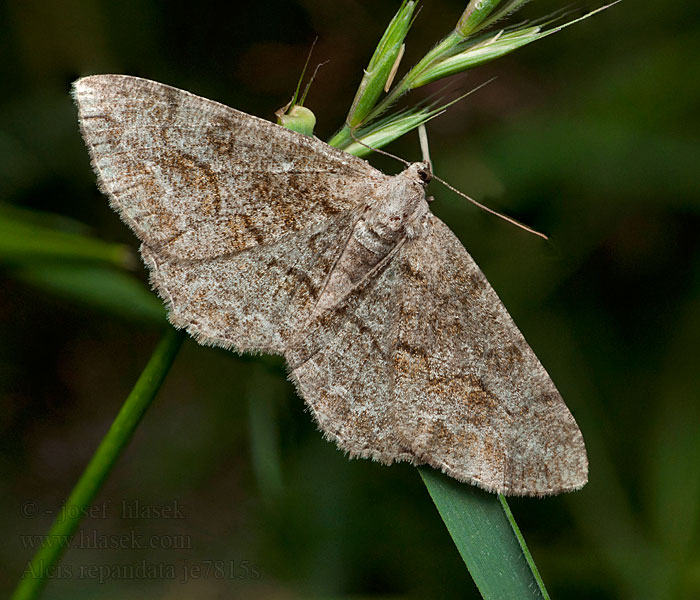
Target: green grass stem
{"x": 487, "y": 537}
{"x": 83, "y": 495}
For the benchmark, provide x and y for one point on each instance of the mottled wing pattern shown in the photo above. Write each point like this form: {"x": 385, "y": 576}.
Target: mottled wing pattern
{"x": 426, "y": 365}
{"x": 196, "y": 179}
{"x": 343, "y": 368}
{"x": 242, "y": 223}
{"x": 471, "y": 397}
{"x": 256, "y": 300}
{"x": 241, "y": 220}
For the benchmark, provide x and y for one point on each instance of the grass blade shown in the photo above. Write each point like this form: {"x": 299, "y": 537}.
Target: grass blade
{"x": 98, "y": 287}
{"x": 29, "y": 236}
{"x": 484, "y": 531}
{"x": 99, "y": 467}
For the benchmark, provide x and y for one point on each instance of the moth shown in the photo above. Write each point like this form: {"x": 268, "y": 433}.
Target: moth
{"x": 261, "y": 239}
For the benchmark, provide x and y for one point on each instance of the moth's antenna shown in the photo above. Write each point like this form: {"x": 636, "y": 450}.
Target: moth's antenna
{"x": 352, "y": 135}
{"x": 423, "y": 136}
{"x": 491, "y": 211}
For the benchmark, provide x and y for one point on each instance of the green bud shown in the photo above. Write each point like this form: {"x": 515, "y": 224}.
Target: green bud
{"x": 299, "y": 118}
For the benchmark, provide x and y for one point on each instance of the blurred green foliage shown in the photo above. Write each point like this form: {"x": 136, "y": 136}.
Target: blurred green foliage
{"x": 590, "y": 135}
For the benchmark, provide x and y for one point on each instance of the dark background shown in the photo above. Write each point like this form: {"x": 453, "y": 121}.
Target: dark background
{"x": 589, "y": 135}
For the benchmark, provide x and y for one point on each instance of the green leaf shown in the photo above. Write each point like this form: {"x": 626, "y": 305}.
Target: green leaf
{"x": 487, "y": 537}
{"x": 29, "y": 236}
{"x": 98, "y": 287}
{"x": 264, "y": 435}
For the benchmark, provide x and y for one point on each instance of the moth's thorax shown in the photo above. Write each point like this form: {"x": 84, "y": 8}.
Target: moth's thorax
{"x": 400, "y": 206}
{"x": 394, "y": 214}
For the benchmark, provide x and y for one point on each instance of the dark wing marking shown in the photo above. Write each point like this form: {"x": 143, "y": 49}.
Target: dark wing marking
{"x": 196, "y": 179}
{"x": 424, "y": 364}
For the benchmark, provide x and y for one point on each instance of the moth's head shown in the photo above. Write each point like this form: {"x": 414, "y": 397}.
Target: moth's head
{"x": 420, "y": 171}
